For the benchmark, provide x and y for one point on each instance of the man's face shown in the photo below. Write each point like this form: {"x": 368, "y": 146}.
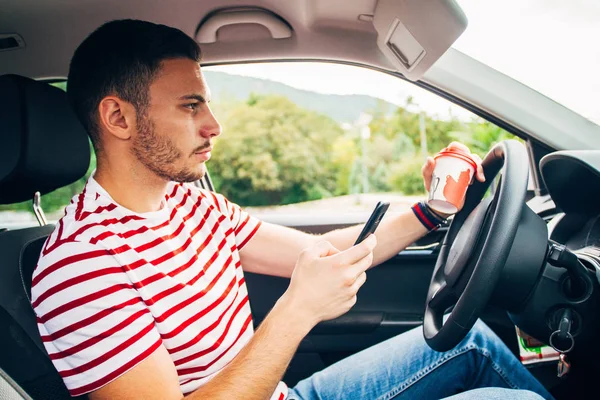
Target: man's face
{"x": 176, "y": 136}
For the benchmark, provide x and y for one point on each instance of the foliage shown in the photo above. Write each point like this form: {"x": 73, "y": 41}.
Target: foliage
{"x": 404, "y": 123}
{"x": 274, "y": 152}
{"x": 405, "y": 176}
{"x": 480, "y": 136}
{"x": 343, "y": 153}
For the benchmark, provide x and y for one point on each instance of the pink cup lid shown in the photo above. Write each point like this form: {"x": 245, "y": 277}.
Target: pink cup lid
{"x": 457, "y": 153}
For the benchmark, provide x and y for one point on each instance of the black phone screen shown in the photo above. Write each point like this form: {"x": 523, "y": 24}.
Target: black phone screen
{"x": 373, "y": 221}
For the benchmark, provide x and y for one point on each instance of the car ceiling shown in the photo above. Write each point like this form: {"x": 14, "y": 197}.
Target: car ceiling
{"x": 322, "y": 29}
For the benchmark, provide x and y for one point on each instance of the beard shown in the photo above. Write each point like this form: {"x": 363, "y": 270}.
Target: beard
{"x": 160, "y": 154}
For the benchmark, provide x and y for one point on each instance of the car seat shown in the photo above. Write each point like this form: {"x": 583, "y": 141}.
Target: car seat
{"x": 43, "y": 147}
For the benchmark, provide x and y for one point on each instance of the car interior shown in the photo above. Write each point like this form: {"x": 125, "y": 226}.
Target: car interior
{"x": 526, "y": 256}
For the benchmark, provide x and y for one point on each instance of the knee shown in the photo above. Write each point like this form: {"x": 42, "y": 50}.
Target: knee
{"x": 482, "y": 337}
{"x": 518, "y": 394}
{"x": 528, "y": 395}
{"x": 494, "y": 393}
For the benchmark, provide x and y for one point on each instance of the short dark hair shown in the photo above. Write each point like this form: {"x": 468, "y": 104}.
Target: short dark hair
{"x": 122, "y": 58}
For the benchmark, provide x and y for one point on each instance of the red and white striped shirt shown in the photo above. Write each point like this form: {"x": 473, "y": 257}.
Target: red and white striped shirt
{"x": 112, "y": 285}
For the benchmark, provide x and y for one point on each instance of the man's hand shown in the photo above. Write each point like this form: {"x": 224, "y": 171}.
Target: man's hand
{"x": 325, "y": 281}
{"x": 429, "y": 165}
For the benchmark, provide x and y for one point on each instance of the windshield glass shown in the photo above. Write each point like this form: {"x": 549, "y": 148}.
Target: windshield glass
{"x": 548, "y": 45}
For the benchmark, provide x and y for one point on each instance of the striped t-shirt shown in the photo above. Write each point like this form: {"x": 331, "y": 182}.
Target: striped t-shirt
{"x": 113, "y": 285}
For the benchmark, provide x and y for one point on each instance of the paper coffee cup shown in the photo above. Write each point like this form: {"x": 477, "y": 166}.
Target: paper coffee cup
{"x": 451, "y": 177}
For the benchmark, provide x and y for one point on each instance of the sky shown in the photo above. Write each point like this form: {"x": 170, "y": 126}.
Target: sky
{"x": 549, "y": 45}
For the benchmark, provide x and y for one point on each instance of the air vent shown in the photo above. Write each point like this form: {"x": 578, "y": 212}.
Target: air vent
{"x": 11, "y": 41}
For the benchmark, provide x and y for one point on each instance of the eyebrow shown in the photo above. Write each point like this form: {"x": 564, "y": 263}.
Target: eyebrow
{"x": 195, "y": 96}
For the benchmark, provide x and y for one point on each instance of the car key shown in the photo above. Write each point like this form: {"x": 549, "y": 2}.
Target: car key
{"x": 562, "y": 341}
{"x": 564, "y": 366}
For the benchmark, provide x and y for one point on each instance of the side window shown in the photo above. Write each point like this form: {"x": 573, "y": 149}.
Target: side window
{"x": 316, "y": 137}
{"x": 322, "y": 137}
{"x": 21, "y": 215}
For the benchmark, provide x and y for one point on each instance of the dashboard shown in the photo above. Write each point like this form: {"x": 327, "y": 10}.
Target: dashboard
{"x": 573, "y": 181}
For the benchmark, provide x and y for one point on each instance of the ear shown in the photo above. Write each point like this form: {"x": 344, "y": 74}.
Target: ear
{"x": 117, "y": 117}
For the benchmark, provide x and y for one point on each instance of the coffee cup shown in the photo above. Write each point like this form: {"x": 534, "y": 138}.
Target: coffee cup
{"x": 453, "y": 172}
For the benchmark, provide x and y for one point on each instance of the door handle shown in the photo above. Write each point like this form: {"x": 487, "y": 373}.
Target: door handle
{"x": 352, "y": 322}
{"x": 432, "y": 246}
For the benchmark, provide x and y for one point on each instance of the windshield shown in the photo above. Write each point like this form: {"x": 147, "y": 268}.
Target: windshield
{"x": 548, "y": 45}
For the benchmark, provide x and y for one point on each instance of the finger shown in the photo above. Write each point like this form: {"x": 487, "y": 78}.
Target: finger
{"x": 459, "y": 146}
{"x": 479, "y": 174}
{"x": 427, "y": 172}
{"x": 322, "y": 249}
{"x": 356, "y": 253}
{"x": 352, "y": 302}
{"x": 360, "y": 280}
{"x": 361, "y": 265}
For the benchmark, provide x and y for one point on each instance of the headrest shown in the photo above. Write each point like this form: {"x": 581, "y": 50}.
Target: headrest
{"x": 43, "y": 146}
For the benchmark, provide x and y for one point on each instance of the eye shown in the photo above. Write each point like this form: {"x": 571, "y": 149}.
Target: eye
{"x": 192, "y": 106}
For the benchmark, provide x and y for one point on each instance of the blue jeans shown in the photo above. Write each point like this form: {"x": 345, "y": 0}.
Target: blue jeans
{"x": 404, "y": 367}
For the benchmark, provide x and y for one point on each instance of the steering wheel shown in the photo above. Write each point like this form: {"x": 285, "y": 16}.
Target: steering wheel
{"x": 476, "y": 247}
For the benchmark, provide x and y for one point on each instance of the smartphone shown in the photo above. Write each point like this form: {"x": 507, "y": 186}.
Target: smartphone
{"x": 373, "y": 221}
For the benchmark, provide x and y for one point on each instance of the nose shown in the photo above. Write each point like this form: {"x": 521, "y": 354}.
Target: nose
{"x": 210, "y": 126}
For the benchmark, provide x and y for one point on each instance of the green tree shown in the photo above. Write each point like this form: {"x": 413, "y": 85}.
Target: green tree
{"x": 481, "y": 135}
{"x": 405, "y": 176}
{"x": 343, "y": 154}
{"x": 274, "y": 152}
{"x": 402, "y": 131}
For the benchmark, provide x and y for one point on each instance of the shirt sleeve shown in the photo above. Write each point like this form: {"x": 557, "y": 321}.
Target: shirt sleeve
{"x": 93, "y": 323}
{"x": 244, "y": 225}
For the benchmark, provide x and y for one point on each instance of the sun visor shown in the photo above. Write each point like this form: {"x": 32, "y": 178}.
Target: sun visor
{"x": 414, "y": 34}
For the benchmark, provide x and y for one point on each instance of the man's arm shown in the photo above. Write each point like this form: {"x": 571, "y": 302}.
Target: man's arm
{"x": 323, "y": 286}
{"x": 274, "y": 249}
{"x": 253, "y": 374}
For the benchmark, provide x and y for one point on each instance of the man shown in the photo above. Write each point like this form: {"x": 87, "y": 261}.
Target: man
{"x": 140, "y": 292}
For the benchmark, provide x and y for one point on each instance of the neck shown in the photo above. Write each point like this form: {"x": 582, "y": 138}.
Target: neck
{"x": 131, "y": 186}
